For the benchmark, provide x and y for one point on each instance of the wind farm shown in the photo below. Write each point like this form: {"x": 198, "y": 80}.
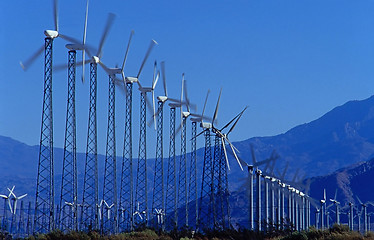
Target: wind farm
{"x": 167, "y": 158}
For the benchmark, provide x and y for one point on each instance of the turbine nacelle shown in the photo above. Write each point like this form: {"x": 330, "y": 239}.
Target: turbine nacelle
{"x": 131, "y": 79}
{"x": 74, "y": 46}
{"x": 186, "y": 114}
{"x": 51, "y": 34}
{"x": 96, "y": 59}
{"x": 162, "y": 98}
{"x": 146, "y": 89}
{"x": 114, "y": 71}
{"x": 206, "y": 125}
{"x": 174, "y": 105}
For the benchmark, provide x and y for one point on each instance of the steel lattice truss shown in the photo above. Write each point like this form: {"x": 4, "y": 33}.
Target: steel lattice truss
{"x": 68, "y": 200}
{"x": 141, "y": 197}
{"x": 126, "y": 191}
{"x": 91, "y": 187}
{"x": 192, "y": 197}
{"x": 158, "y": 205}
{"x": 44, "y": 203}
{"x": 205, "y": 206}
{"x": 182, "y": 217}
{"x": 171, "y": 183}
{"x": 109, "y": 222}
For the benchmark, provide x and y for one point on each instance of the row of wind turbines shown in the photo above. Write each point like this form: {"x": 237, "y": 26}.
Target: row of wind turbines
{"x": 133, "y": 197}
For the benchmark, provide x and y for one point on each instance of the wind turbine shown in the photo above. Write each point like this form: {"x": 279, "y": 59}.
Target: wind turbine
{"x": 69, "y": 171}
{"x": 14, "y": 198}
{"x": 90, "y": 188}
{"x": 323, "y": 202}
{"x": 141, "y": 177}
{"x": 336, "y": 203}
{"x": 158, "y": 200}
{"x": 50, "y": 34}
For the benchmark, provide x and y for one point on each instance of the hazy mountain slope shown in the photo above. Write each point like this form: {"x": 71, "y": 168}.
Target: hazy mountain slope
{"x": 341, "y": 137}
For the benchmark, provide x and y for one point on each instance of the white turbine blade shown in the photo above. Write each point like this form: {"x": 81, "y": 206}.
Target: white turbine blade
{"x": 237, "y": 120}
{"x": 233, "y": 150}
{"x": 22, "y": 196}
{"x": 324, "y": 194}
{"x": 216, "y": 110}
{"x": 186, "y": 96}
{"x": 224, "y": 150}
{"x": 55, "y": 14}
{"x": 108, "y": 25}
{"x": 206, "y": 99}
{"x": 127, "y": 50}
{"x": 153, "y": 42}
{"x": 26, "y": 64}
{"x": 106, "y": 69}
{"x": 84, "y": 39}
{"x": 154, "y": 109}
{"x": 15, "y": 206}
{"x": 3, "y": 196}
{"x": 10, "y": 206}
{"x": 164, "y": 77}
{"x": 154, "y": 74}
{"x": 11, "y": 192}
{"x": 70, "y": 39}
{"x": 253, "y": 154}
{"x": 148, "y": 103}
{"x": 156, "y": 80}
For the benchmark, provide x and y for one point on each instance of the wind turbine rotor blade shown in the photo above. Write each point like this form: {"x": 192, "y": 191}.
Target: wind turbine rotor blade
{"x": 3, "y": 196}
{"x": 70, "y": 39}
{"x": 106, "y": 69}
{"x": 55, "y": 14}
{"x": 154, "y": 109}
{"x": 10, "y": 206}
{"x": 324, "y": 194}
{"x": 152, "y": 44}
{"x": 15, "y": 206}
{"x": 237, "y": 120}
{"x": 233, "y": 150}
{"x": 127, "y": 50}
{"x": 186, "y": 96}
{"x": 22, "y": 196}
{"x": 285, "y": 170}
{"x": 26, "y": 64}
{"x": 64, "y": 66}
{"x": 228, "y": 124}
{"x": 206, "y": 99}
{"x": 253, "y": 154}
{"x": 199, "y": 134}
{"x": 216, "y": 110}
{"x": 164, "y": 77}
{"x": 148, "y": 103}
{"x": 108, "y": 25}
{"x": 84, "y": 39}
{"x": 224, "y": 150}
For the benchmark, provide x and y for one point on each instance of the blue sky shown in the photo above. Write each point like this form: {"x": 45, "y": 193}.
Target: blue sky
{"x": 289, "y": 61}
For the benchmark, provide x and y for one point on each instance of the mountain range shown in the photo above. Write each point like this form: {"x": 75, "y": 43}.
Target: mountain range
{"x": 333, "y": 151}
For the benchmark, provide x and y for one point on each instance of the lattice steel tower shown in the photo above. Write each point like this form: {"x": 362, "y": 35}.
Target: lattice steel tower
{"x": 110, "y": 180}
{"x": 126, "y": 191}
{"x": 192, "y": 189}
{"x": 44, "y": 203}
{"x": 68, "y": 199}
{"x": 171, "y": 183}
{"x": 182, "y": 217}
{"x": 91, "y": 187}
{"x": 158, "y": 203}
{"x": 141, "y": 195}
{"x": 205, "y": 220}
